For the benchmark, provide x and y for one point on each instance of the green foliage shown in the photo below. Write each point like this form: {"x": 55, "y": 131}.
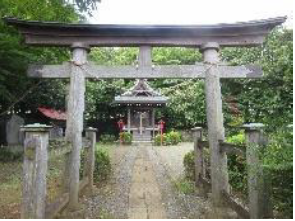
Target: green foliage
{"x": 278, "y": 166}
{"x": 238, "y": 139}
{"x": 15, "y": 56}
{"x": 7, "y": 155}
{"x": 185, "y": 186}
{"x": 268, "y": 100}
{"x": 171, "y": 138}
{"x": 237, "y": 170}
{"x": 107, "y": 138}
{"x": 189, "y": 165}
{"x": 102, "y": 168}
{"x": 277, "y": 158}
{"x": 126, "y": 138}
{"x": 102, "y": 165}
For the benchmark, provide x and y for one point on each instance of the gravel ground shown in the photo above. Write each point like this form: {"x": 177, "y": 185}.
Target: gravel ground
{"x": 111, "y": 201}
{"x": 172, "y": 158}
{"x": 169, "y": 167}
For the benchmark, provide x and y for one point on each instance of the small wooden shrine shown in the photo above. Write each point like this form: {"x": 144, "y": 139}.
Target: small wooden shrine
{"x": 141, "y": 101}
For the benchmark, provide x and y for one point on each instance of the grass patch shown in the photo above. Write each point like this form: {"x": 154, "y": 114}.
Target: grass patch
{"x": 184, "y": 186}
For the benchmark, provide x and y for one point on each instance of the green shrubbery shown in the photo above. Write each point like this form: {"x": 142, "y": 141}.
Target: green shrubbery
{"x": 8, "y": 155}
{"x": 107, "y": 138}
{"x": 237, "y": 170}
{"x": 126, "y": 137}
{"x": 185, "y": 186}
{"x": 189, "y": 165}
{"x": 278, "y": 165}
{"x": 277, "y": 160}
{"x": 102, "y": 167}
{"x": 171, "y": 138}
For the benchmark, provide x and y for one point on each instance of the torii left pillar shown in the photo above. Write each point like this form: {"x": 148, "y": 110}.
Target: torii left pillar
{"x": 75, "y": 119}
{"x": 218, "y": 161}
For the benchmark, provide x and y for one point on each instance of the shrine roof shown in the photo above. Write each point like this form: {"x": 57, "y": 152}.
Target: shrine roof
{"x": 53, "y": 114}
{"x": 141, "y": 93}
{"x": 64, "y": 34}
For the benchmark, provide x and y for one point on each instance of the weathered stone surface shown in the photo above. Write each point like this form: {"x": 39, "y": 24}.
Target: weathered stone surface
{"x": 219, "y": 174}
{"x": 75, "y": 120}
{"x": 260, "y": 205}
{"x": 131, "y": 72}
{"x": 239, "y": 34}
{"x": 13, "y": 134}
{"x": 55, "y": 132}
{"x": 34, "y": 172}
{"x": 145, "y": 199}
{"x": 90, "y": 158}
{"x": 199, "y": 158}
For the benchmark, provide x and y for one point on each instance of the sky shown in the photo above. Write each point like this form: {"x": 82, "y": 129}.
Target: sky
{"x": 189, "y": 11}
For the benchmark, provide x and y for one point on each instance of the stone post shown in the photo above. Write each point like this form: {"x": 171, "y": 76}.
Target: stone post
{"x": 199, "y": 158}
{"x": 34, "y": 171}
{"x": 90, "y": 157}
{"x": 218, "y": 161}
{"x": 75, "y": 119}
{"x": 260, "y": 205}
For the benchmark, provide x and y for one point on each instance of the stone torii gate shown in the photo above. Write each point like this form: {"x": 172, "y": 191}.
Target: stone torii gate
{"x": 208, "y": 38}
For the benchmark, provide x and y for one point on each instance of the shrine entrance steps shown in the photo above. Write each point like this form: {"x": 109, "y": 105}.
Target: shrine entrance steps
{"x": 145, "y": 199}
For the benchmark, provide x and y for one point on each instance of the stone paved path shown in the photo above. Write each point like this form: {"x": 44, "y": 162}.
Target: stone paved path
{"x": 145, "y": 199}
{"x": 142, "y": 185}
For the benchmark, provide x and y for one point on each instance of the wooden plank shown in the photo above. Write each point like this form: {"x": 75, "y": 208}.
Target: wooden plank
{"x": 131, "y": 72}
{"x": 236, "y": 206}
{"x": 232, "y": 148}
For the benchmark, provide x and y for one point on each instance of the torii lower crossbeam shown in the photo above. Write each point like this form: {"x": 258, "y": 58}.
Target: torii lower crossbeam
{"x": 131, "y": 72}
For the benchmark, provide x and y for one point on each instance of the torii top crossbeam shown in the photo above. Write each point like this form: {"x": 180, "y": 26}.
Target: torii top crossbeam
{"x": 60, "y": 34}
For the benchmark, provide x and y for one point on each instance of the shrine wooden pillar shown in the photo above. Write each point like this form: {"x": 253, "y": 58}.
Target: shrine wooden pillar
{"x": 75, "y": 119}
{"x": 153, "y": 121}
{"x": 219, "y": 174}
{"x": 129, "y": 119}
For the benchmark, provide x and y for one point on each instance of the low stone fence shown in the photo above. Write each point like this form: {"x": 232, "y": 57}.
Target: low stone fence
{"x": 186, "y": 135}
{"x": 35, "y": 163}
{"x": 259, "y": 193}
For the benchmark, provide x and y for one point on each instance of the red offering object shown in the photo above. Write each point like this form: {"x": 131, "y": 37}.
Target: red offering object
{"x": 162, "y": 125}
{"x": 121, "y": 125}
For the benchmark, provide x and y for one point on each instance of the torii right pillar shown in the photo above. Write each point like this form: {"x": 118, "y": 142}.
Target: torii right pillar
{"x": 218, "y": 161}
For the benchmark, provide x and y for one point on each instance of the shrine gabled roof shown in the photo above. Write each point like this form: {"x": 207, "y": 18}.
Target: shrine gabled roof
{"x": 141, "y": 93}
{"x": 53, "y": 114}
{"x": 65, "y": 34}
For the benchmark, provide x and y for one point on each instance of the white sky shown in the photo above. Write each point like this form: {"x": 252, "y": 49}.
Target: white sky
{"x": 189, "y": 11}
